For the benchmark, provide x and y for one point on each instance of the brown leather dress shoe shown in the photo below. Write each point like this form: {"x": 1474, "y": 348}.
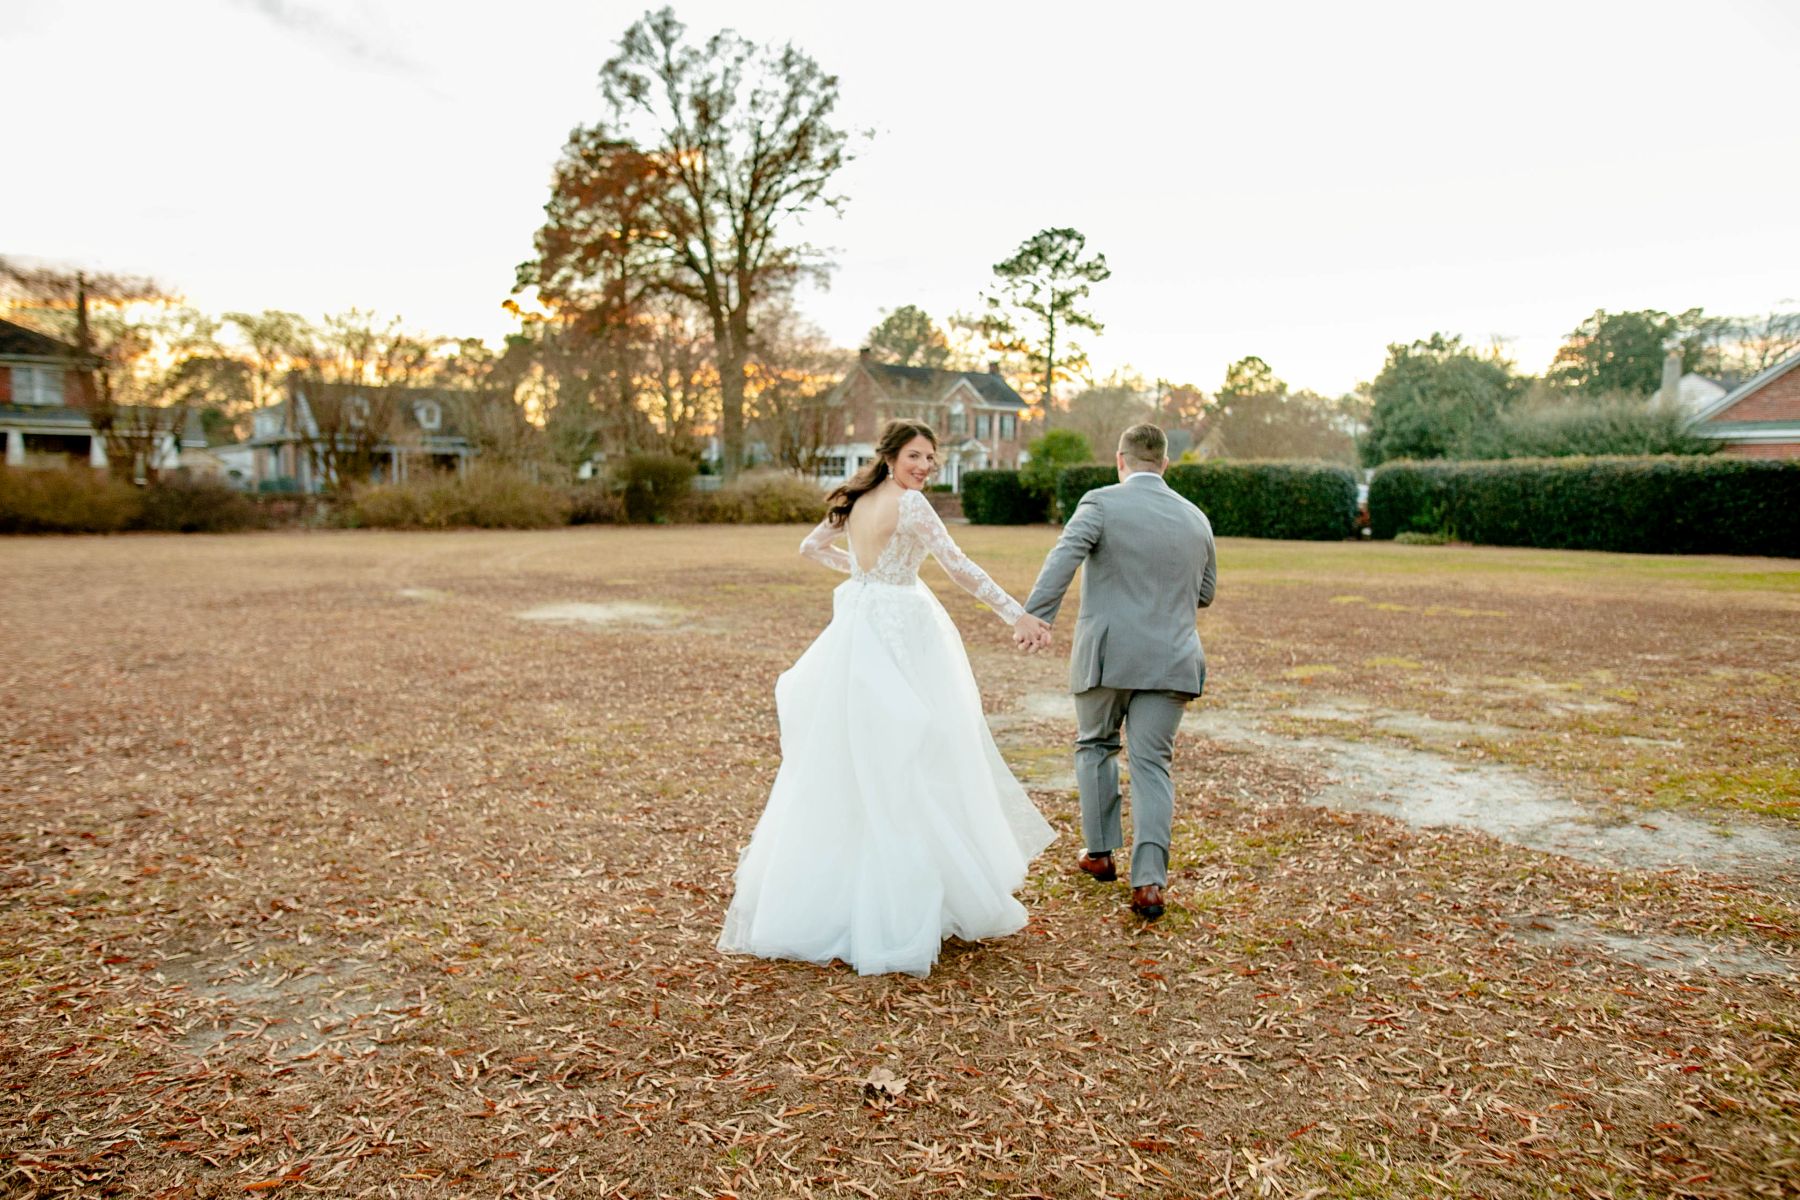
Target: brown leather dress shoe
{"x": 1147, "y": 901}
{"x": 1099, "y": 866}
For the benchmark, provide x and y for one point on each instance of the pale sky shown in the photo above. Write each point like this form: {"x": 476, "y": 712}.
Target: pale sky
{"x": 1303, "y": 181}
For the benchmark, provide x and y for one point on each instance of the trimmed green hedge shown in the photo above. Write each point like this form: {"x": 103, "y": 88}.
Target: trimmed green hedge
{"x": 1297, "y": 501}
{"x": 1662, "y": 505}
{"x": 1301, "y": 501}
{"x": 1075, "y": 482}
{"x": 999, "y": 498}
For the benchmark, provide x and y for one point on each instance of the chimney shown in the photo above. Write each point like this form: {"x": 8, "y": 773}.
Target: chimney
{"x": 993, "y": 366}
{"x": 1670, "y": 392}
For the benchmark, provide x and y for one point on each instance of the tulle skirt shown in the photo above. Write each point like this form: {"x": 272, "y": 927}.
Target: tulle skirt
{"x": 894, "y": 822}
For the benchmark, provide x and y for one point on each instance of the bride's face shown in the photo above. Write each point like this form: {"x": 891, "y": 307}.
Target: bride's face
{"x": 914, "y": 464}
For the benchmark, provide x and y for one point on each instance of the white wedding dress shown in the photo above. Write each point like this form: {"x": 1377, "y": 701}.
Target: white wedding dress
{"x": 893, "y": 822}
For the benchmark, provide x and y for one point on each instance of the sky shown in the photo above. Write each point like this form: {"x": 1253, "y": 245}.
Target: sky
{"x": 1303, "y": 181}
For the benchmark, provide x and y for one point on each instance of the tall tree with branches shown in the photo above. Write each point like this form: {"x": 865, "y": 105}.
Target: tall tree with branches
{"x": 1038, "y": 299}
{"x": 908, "y": 337}
{"x": 692, "y": 186}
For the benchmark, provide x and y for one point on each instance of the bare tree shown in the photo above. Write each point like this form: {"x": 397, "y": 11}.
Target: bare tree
{"x": 1762, "y": 341}
{"x": 793, "y": 368}
{"x": 339, "y": 378}
{"x": 711, "y": 152}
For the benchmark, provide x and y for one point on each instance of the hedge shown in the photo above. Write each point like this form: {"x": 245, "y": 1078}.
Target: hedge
{"x": 486, "y": 497}
{"x": 757, "y": 498}
{"x": 82, "y": 500}
{"x": 1301, "y": 501}
{"x": 1076, "y": 482}
{"x": 1296, "y": 501}
{"x": 999, "y": 498}
{"x": 1661, "y": 505}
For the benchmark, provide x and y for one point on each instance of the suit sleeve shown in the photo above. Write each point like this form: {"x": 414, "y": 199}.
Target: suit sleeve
{"x": 1209, "y": 572}
{"x": 1079, "y": 539}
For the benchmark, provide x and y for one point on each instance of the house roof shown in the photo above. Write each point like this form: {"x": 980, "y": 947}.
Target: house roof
{"x": 405, "y": 401}
{"x": 1750, "y": 386}
{"x": 930, "y": 384}
{"x": 18, "y": 341}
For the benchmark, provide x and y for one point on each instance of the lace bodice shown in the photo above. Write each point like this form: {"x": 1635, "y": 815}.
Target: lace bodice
{"x": 917, "y": 532}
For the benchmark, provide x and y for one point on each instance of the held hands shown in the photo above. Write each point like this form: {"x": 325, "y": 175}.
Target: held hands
{"x": 1031, "y": 634}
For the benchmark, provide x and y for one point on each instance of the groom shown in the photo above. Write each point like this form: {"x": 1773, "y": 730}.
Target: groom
{"x": 1137, "y": 659}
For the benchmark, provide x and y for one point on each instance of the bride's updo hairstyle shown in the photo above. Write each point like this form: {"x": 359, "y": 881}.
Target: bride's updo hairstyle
{"x": 894, "y": 437}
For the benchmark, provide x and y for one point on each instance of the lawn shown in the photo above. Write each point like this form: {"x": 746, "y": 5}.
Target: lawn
{"x": 391, "y": 864}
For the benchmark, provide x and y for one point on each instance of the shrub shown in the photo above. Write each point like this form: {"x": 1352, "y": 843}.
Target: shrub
{"x": 1668, "y": 505}
{"x": 1000, "y": 498}
{"x": 1299, "y": 501}
{"x": 195, "y": 506}
{"x": 761, "y": 498}
{"x": 487, "y": 497}
{"x": 595, "y": 504}
{"x": 1075, "y": 482}
{"x": 1050, "y": 454}
{"x": 1545, "y": 425}
{"x": 77, "y": 500}
{"x": 653, "y": 484}
{"x": 1309, "y": 501}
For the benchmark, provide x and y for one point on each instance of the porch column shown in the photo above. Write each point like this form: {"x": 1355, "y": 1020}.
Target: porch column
{"x": 15, "y": 448}
{"x": 96, "y": 451}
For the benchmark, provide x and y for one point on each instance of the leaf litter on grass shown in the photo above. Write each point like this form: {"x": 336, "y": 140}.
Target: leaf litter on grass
{"x": 372, "y": 899}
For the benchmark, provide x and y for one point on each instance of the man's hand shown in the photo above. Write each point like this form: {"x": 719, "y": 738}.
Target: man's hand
{"x": 1031, "y": 634}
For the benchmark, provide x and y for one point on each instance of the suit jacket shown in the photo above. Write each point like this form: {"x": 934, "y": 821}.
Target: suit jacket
{"x": 1150, "y": 565}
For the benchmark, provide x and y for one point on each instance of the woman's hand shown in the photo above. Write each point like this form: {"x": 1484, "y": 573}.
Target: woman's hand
{"x": 1031, "y": 634}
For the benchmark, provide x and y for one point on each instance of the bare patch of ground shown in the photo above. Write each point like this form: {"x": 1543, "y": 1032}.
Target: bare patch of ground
{"x": 615, "y": 612}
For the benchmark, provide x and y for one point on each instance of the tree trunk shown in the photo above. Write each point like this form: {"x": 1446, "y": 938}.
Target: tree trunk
{"x": 733, "y": 353}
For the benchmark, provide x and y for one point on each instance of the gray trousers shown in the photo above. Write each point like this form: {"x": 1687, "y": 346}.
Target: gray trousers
{"x": 1150, "y": 720}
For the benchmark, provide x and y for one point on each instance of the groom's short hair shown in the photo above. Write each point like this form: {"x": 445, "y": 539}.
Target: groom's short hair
{"x": 1145, "y": 444}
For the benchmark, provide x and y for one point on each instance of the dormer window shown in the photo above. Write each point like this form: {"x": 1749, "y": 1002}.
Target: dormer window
{"x": 430, "y": 414}
{"x": 356, "y": 411}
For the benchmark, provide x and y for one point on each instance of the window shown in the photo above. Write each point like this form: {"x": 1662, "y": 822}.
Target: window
{"x": 984, "y": 425}
{"x": 37, "y": 385}
{"x": 831, "y": 466}
{"x": 430, "y": 414}
{"x": 958, "y": 422}
{"x": 356, "y": 411}
{"x": 1009, "y": 426}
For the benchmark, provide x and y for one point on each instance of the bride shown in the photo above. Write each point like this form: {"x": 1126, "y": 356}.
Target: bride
{"x": 893, "y": 823}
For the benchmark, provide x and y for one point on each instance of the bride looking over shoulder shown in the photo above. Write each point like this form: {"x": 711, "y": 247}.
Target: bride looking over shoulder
{"x": 893, "y": 822}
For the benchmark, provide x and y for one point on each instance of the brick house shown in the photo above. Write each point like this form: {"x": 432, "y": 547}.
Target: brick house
{"x": 41, "y": 420}
{"x": 977, "y": 416}
{"x": 1760, "y": 418}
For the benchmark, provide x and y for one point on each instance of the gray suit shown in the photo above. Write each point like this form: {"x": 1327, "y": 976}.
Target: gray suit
{"x": 1137, "y": 661}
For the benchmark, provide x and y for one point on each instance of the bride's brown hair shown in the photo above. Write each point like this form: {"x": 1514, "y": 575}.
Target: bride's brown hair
{"x": 894, "y": 437}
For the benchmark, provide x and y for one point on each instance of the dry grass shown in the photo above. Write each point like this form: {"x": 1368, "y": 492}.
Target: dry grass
{"x": 327, "y": 874}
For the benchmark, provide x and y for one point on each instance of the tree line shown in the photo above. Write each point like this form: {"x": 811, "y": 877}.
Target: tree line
{"x": 658, "y": 310}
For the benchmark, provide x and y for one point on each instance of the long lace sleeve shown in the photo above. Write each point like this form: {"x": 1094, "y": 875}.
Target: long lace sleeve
{"x": 971, "y": 578}
{"x": 818, "y": 547}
